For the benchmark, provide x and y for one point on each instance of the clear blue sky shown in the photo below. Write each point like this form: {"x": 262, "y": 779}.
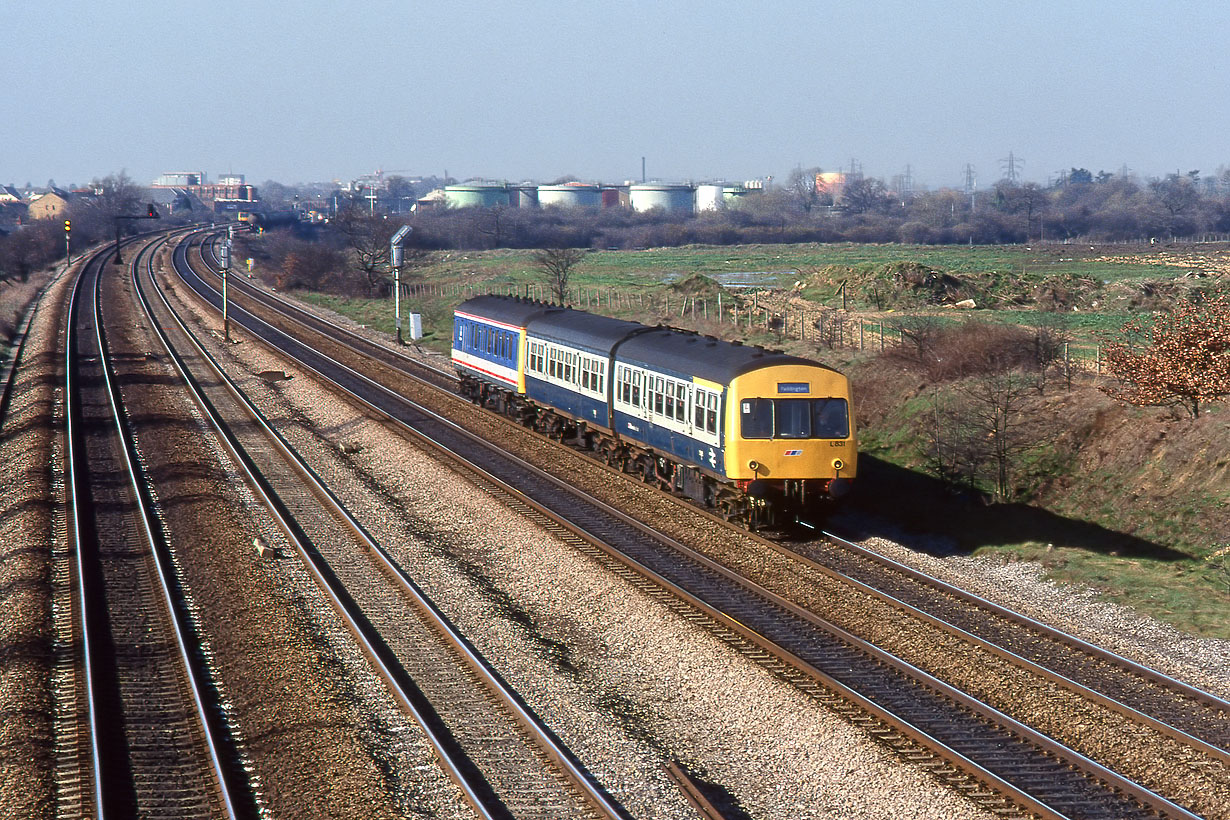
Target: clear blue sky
{"x": 309, "y": 91}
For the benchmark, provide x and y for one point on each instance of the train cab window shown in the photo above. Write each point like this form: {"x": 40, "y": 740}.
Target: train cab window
{"x": 793, "y": 418}
{"x": 711, "y": 413}
{"x": 830, "y": 418}
{"x": 756, "y": 418}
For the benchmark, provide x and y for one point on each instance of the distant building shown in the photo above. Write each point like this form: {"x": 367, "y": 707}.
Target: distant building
{"x": 230, "y": 189}
{"x": 179, "y": 179}
{"x": 831, "y": 183}
{"x": 10, "y": 195}
{"x": 51, "y": 205}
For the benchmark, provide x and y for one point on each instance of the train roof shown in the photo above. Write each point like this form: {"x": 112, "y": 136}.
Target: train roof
{"x": 510, "y": 310}
{"x": 660, "y": 348}
{"x": 577, "y": 328}
{"x": 704, "y": 356}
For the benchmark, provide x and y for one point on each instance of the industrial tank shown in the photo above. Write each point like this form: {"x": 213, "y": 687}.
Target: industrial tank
{"x": 570, "y": 195}
{"x": 731, "y": 194}
{"x": 709, "y": 197}
{"x": 646, "y": 195}
{"x": 476, "y": 195}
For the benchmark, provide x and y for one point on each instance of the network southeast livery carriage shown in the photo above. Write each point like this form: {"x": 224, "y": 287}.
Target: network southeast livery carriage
{"x": 749, "y": 431}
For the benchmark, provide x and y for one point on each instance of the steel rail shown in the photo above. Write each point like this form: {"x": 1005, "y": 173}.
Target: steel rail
{"x": 1125, "y": 665}
{"x": 1099, "y": 771}
{"x": 288, "y": 309}
{"x": 491, "y": 679}
{"x": 147, "y": 519}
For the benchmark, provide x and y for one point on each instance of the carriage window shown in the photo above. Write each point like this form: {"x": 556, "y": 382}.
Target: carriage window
{"x": 636, "y": 389}
{"x": 698, "y": 411}
{"x": 711, "y": 418}
{"x": 656, "y": 387}
{"x": 756, "y": 417}
{"x": 681, "y": 404}
{"x": 830, "y": 418}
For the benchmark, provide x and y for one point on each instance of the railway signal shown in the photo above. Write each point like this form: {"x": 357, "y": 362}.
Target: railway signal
{"x": 224, "y": 258}
{"x": 151, "y": 212}
{"x": 395, "y": 257}
{"x": 68, "y": 250}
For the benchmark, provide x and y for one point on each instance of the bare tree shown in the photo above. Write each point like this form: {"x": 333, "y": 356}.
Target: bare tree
{"x": 557, "y": 265}
{"x": 982, "y": 427}
{"x": 803, "y": 190}
{"x": 367, "y": 236}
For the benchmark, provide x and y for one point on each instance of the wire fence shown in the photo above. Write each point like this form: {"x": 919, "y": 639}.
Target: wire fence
{"x": 758, "y": 311}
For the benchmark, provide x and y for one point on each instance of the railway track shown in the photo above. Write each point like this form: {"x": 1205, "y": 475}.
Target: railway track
{"x": 500, "y": 754}
{"x": 156, "y": 743}
{"x": 1073, "y": 785}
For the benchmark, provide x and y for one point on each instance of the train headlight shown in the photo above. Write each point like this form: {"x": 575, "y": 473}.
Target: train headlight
{"x": 838, "y": 464}
{"x": 754, "y": 466}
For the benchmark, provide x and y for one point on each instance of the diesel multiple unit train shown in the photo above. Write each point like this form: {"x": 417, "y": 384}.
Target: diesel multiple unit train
{"x": 757, "y": 435}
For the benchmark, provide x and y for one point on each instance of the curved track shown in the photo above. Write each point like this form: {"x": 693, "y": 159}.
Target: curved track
{"x": 157, "y": 748}
{"x": 994, "y": 749}
{"x": 503, "y": 757}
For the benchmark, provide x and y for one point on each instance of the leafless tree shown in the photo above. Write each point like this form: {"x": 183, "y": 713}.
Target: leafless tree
{"x": 979, "y": 429}
{"x": 367, "y": 237}
{"x": 557, "y": 264}
{"x": 801, "y": 186}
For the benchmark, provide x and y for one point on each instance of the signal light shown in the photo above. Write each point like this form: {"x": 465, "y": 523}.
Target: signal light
{"x": 68, "y": 226}
{"x": 152, "y": 213}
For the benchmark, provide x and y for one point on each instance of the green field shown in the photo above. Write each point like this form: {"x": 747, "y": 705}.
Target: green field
{"x": 620, "y": 268}
{"x": 1186, "y": 588}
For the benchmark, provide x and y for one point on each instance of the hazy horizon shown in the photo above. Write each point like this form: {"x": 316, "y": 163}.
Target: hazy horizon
{"x": 304, "y": 92}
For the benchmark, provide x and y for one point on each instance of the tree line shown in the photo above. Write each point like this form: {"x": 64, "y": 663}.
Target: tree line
{"x": 1082, "y": 206}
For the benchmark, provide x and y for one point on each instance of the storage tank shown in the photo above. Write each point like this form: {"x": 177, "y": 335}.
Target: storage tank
{"x": 646, "y": 195}
{"x": 709, "y": 198}
{"x": 570, "y": 195}
{"x": 731, "y": 195}
{"x": 523, "y": 196}
{"x": 476, "y": 195}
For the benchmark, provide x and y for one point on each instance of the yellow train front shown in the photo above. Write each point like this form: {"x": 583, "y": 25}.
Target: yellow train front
{"x": 763, "y": 436}
{"x": 790, "y": 442}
